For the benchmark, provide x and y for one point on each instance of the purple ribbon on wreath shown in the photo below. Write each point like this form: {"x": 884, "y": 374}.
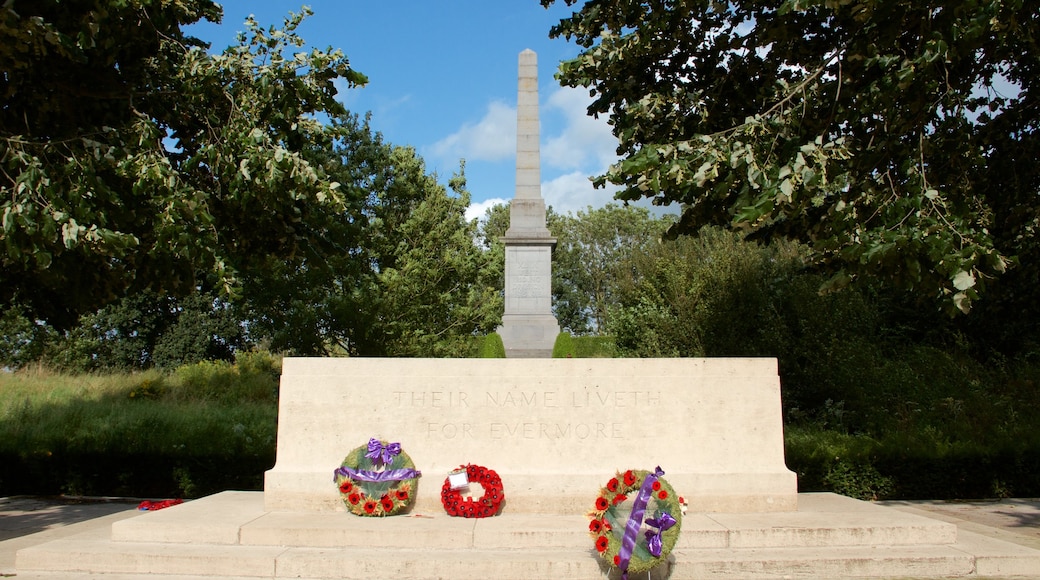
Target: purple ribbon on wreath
{"x": 653, "y": 539}
{"x": 380, "y": 453}
{"x": 635, "y": 521}
{"x": 377, "y": 476}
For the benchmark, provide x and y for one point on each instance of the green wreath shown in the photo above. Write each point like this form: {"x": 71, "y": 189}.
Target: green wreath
{"x": 378, "y": 479}
{"x": 650, "y": 540}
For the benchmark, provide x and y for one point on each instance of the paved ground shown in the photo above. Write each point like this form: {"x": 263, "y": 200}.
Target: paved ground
{"x": 27, "y": 521}
{"x": 1012, "y": 520}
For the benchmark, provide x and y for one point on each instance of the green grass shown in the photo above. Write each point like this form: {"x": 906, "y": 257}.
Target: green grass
{"x": 202, "y": 429}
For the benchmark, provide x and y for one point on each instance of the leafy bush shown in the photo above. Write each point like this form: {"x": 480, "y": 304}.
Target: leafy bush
{"x": 563, "y": 347}
{"x": 713, "y": 295}
{"x": 258, "y": 362}
{"x": 594, "y": 346}
{"x": 861, "y": 481}
{"x": 492, "y": 347}
{"x": 22, "y": 342}
{"x": 143, "y": 331}
{"x": 223, "y": 382}
{"x": 913, "y": 465}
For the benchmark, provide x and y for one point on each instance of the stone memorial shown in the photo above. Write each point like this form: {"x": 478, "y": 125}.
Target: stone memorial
{"x": 550, "y": 428}
{"x": 552, "y": 431}
{"x": 528, "y": 328}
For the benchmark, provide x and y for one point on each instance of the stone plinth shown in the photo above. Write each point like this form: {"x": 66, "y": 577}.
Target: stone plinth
{"x": 554, "y": 429}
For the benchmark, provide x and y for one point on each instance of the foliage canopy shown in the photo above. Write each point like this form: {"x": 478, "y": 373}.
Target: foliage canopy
{"x": 897, "y": 138}
{"x": 132, "y": 159}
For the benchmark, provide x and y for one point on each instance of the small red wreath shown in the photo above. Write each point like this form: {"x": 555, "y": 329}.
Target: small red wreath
{"x": 486, "y": 506}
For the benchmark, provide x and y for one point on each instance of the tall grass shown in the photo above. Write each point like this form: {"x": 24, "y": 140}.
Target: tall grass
{"x": 201, "y": 429}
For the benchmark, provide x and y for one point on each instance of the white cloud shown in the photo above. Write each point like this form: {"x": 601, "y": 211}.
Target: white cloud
{"x": 493, "y": 138}
{"x": 583, "y": 143}
{"x": 573, "y": 192}
{"x": 477, "y": 210}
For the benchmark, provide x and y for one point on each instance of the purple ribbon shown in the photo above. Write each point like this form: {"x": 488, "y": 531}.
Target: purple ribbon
{"x": 377, "y": 476}
{"x": 653, "y": 539}
{"x": 380, "y": 453}
{"x": 635, "y": 521}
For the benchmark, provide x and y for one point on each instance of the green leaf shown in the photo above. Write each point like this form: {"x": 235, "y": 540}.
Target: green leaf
{"x": 963, "y": 280}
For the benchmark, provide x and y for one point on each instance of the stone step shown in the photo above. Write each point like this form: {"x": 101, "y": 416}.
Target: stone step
{"x": 85, "y": 557}
{"x": 239, "y": 518}
{"x": 230, "y": 536}
{"x": 85, "y": 553}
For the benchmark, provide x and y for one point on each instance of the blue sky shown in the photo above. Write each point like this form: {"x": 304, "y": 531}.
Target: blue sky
{"x": 443, "y": 79}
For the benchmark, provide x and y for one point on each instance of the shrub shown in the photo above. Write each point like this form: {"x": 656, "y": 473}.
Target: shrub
{"x": 492, "y": 347}
{"x": 563, "y": 347}
{"x": 710, "y": 295}
{"x": 223, "y": 382}
{"x": 258, "y": 362}
{"x": 22, "y": 341}
{"x": 594, "y": 346}
{"x": 861, "y": 481}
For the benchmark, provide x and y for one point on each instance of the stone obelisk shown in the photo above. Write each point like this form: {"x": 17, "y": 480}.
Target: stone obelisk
{"x": 528, "y": 328}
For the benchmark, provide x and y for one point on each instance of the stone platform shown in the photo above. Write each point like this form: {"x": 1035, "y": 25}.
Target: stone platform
{"x": 231, "y": 535}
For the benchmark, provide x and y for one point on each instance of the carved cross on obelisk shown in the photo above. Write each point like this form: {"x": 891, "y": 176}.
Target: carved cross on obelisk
{"x": 528, "y": 328}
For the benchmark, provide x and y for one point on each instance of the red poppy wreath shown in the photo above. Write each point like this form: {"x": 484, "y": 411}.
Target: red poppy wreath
{"x": 485, "y": 506}
{"x": 377, "y": 480}
{"x": 637, "y": 540}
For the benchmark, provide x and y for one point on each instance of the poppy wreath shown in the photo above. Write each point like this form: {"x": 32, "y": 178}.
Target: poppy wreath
{"x": 377, "y": 479}
{"x": 640, "y": 540}
{"x": 486, "y": 506}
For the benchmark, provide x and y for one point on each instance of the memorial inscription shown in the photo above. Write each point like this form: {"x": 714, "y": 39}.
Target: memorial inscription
{"x": 546, "y": 399}
{"x": 530, "y": 427}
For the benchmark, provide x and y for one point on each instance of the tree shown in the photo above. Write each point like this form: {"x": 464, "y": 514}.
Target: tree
{"x": 398, "y": 273}
{"x": 437, "y": 288}
{"x": 130, "y": 159}
{"x": 713, "y": 295}
{"x": 590, "y": 246}
{"x": 145, "y": 330}
{"x": 896, "y": 138}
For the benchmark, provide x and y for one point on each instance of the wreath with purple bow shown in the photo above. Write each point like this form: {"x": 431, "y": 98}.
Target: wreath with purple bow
{"x": 636, "y": 539}
{"x": 377, "y": 479}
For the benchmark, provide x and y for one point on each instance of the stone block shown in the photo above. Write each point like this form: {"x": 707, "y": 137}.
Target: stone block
{"x": 554, "y": 429}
